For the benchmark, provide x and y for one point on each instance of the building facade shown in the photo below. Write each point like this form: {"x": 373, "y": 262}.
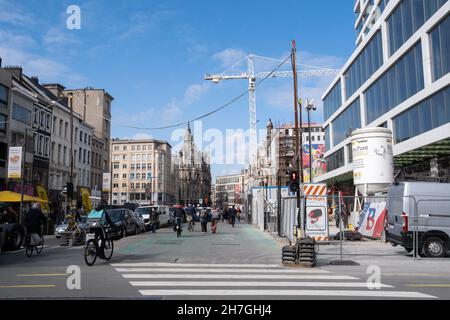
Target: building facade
{"x": 142, "y": 172}
{"x": 94, "y": 107}
{"x": 5, "y": 97}
{"x": 229, "y": 190}
{"x": 398, "y": 77}
{"x": 194, "y": 172}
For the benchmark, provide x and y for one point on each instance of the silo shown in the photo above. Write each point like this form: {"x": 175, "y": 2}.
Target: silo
{"x": 373, "y": 165}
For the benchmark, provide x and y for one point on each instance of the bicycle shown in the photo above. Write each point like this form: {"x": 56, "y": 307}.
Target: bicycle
{"x": 32, "y": 237}
{"x": 100, "y": 246}
{"x": 78, "y": 233}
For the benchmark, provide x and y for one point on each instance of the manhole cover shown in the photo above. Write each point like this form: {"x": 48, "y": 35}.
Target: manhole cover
{"x": 169, "y": 242}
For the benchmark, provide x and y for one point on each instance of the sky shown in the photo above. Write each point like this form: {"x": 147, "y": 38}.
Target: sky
{"x": 152, "y": 56}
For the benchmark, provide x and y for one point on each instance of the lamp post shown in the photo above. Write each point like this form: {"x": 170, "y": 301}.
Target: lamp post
{"x": 310, "y": 106}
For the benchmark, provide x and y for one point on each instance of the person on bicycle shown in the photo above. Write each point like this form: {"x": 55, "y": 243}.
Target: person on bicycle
{"x": 34, "y": 219}
{"x": 180, "y": 215}
{"x": 191, "y": 212}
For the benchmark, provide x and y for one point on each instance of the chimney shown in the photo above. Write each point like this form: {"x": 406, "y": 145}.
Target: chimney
{"x": 35, "y": 79}
{"x": 55, "y": 88}
{"x": 14, "y": 70}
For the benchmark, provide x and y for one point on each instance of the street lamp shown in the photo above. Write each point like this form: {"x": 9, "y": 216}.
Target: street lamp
{"x": 310, "y": 106}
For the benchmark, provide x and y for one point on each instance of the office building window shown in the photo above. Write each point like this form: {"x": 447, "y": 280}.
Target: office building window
{"x": 347, "y": 122}
{"x": 407, "y": 18}
{"x": 21, "y": 114}
{"x": 440, "y": 49}
{"x": 388, "y": 92}
{"x": 364, "y": 66}
{"x": 327, "y": 138}
{"x": 4, "y": 92}
{"x": 333, "y": 100}
{"x": 3, "y": 121}
{"x": 429, "y": 114}
{"x": 336, "y": 160}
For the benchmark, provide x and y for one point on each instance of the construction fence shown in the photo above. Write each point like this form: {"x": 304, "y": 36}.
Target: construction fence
{"x": 346, "y": 226}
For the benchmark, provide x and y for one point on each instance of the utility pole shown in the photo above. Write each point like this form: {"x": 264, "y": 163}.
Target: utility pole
{"x": 71, "y": 151}
{"x": 23, "y": 175}
{"x": 298, "y": 139}
{"x": 310, "y": 106}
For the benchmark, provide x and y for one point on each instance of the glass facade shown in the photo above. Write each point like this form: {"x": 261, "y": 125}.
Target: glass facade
{"x": 3, "y": 96}
{"x": 21, "y": 114}
{"x": 429, "y": 114}
{"x": 440, "y": 49}
{"x": 400, "y": 82}
{"x": 327, "y": 138}
{"x": 407, "y": 18}
{"x": 336, "y": 160}
{"x": 347, "y": 122}
{"x": 332, "y": 101}
{"x": 364, "y": 66}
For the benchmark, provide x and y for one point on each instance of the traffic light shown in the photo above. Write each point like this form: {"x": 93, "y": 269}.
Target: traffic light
{"x": 293, "y": 182}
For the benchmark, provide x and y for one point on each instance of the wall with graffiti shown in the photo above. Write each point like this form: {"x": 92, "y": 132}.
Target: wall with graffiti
{"x": 319, "y": 165}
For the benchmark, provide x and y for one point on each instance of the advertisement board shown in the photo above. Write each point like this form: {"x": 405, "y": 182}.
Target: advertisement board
{"x": 87, "y": 202}
{"x": 15, "y": 163}
{"x": 106, "y": 184}
{"x": 42, "y": 194}
{"x": 316, "y": 211}
{"x": 372, "y": 220}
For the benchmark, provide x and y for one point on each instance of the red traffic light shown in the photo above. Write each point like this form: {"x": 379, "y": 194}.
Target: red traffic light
{"x": 294, "y": 176}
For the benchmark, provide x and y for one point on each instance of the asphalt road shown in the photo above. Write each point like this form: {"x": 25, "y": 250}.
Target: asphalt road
{"x": 239, "y": 263}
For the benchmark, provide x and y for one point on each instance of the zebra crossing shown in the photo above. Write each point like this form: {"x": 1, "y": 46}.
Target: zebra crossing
{"x": 155, "y": 279}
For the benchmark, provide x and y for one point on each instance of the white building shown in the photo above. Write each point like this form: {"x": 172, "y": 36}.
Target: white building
{"x": 398, "y": 77}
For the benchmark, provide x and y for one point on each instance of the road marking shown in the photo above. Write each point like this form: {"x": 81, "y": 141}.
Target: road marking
{"x": 429, "y": 285}
{"x": 42, "y": 275}
{"x": 187, "y": 265}
{"x": 250, "y": 284}
{"x": 207, "y": 270}
{"x": 29, "y": 286}
{"x": 237, "y": 276}
{"x": 335, "y": 293}
{"x": 410, "y": 275}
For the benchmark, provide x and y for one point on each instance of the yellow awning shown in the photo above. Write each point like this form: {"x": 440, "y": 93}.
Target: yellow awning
{"x": 9, "y": 196}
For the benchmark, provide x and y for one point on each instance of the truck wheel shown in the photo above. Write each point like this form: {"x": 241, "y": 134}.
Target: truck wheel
{"x": 434, "y": 247}
{"x": 15, "y": 236}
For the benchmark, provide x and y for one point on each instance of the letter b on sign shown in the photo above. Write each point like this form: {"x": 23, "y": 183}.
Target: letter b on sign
{"x": 74, "y": 19}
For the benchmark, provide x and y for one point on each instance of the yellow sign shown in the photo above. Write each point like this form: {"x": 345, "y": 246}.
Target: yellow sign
{"x": 87, "y": 202}
{"x": 42, "y": 194}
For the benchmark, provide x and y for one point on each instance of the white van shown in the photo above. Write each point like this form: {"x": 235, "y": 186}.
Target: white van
{"x": 432, "y": 201}
{"x": 163, "y": 215}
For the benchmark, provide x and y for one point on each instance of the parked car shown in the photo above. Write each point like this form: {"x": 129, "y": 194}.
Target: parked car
{"x": 125, "y": 220}
{"x": 63, "y": 227}
{"x": 141, "y": 221}
{"x": 433, "y": 216}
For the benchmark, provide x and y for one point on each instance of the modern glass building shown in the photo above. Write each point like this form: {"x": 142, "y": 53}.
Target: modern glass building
{"x": 398, "y": 77}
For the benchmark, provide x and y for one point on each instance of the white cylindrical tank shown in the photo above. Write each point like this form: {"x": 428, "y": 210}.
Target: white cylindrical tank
{"x": 373, "y": 161}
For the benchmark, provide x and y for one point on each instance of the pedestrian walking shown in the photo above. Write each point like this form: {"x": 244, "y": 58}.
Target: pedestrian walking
{"x": 345, "y": 215}
{"x": 238, "y": 214}
{"x": 232, "y": 213}
{"x": 204, "y": 217}
{"x": 154, "y": 215}
{"x": 215, "y": 216}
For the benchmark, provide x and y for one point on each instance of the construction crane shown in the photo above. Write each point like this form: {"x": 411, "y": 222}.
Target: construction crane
{"x": 252, "y": 77}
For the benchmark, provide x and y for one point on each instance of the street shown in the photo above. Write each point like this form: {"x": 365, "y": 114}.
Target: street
{"x": 239, "y": 263}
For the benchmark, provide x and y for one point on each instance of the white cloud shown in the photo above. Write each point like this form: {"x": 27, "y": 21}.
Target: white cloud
{"x": 58, "y": 38}
{"x": 11, "y": 13}
{"x": 229, "y": 56}
{"x": 33, "y": 64}
{"x": 194, "y": 92}
{"x": 16, "y": 40}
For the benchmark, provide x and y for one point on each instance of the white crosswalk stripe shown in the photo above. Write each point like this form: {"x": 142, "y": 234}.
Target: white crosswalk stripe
{"x": 158, "y": 279}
